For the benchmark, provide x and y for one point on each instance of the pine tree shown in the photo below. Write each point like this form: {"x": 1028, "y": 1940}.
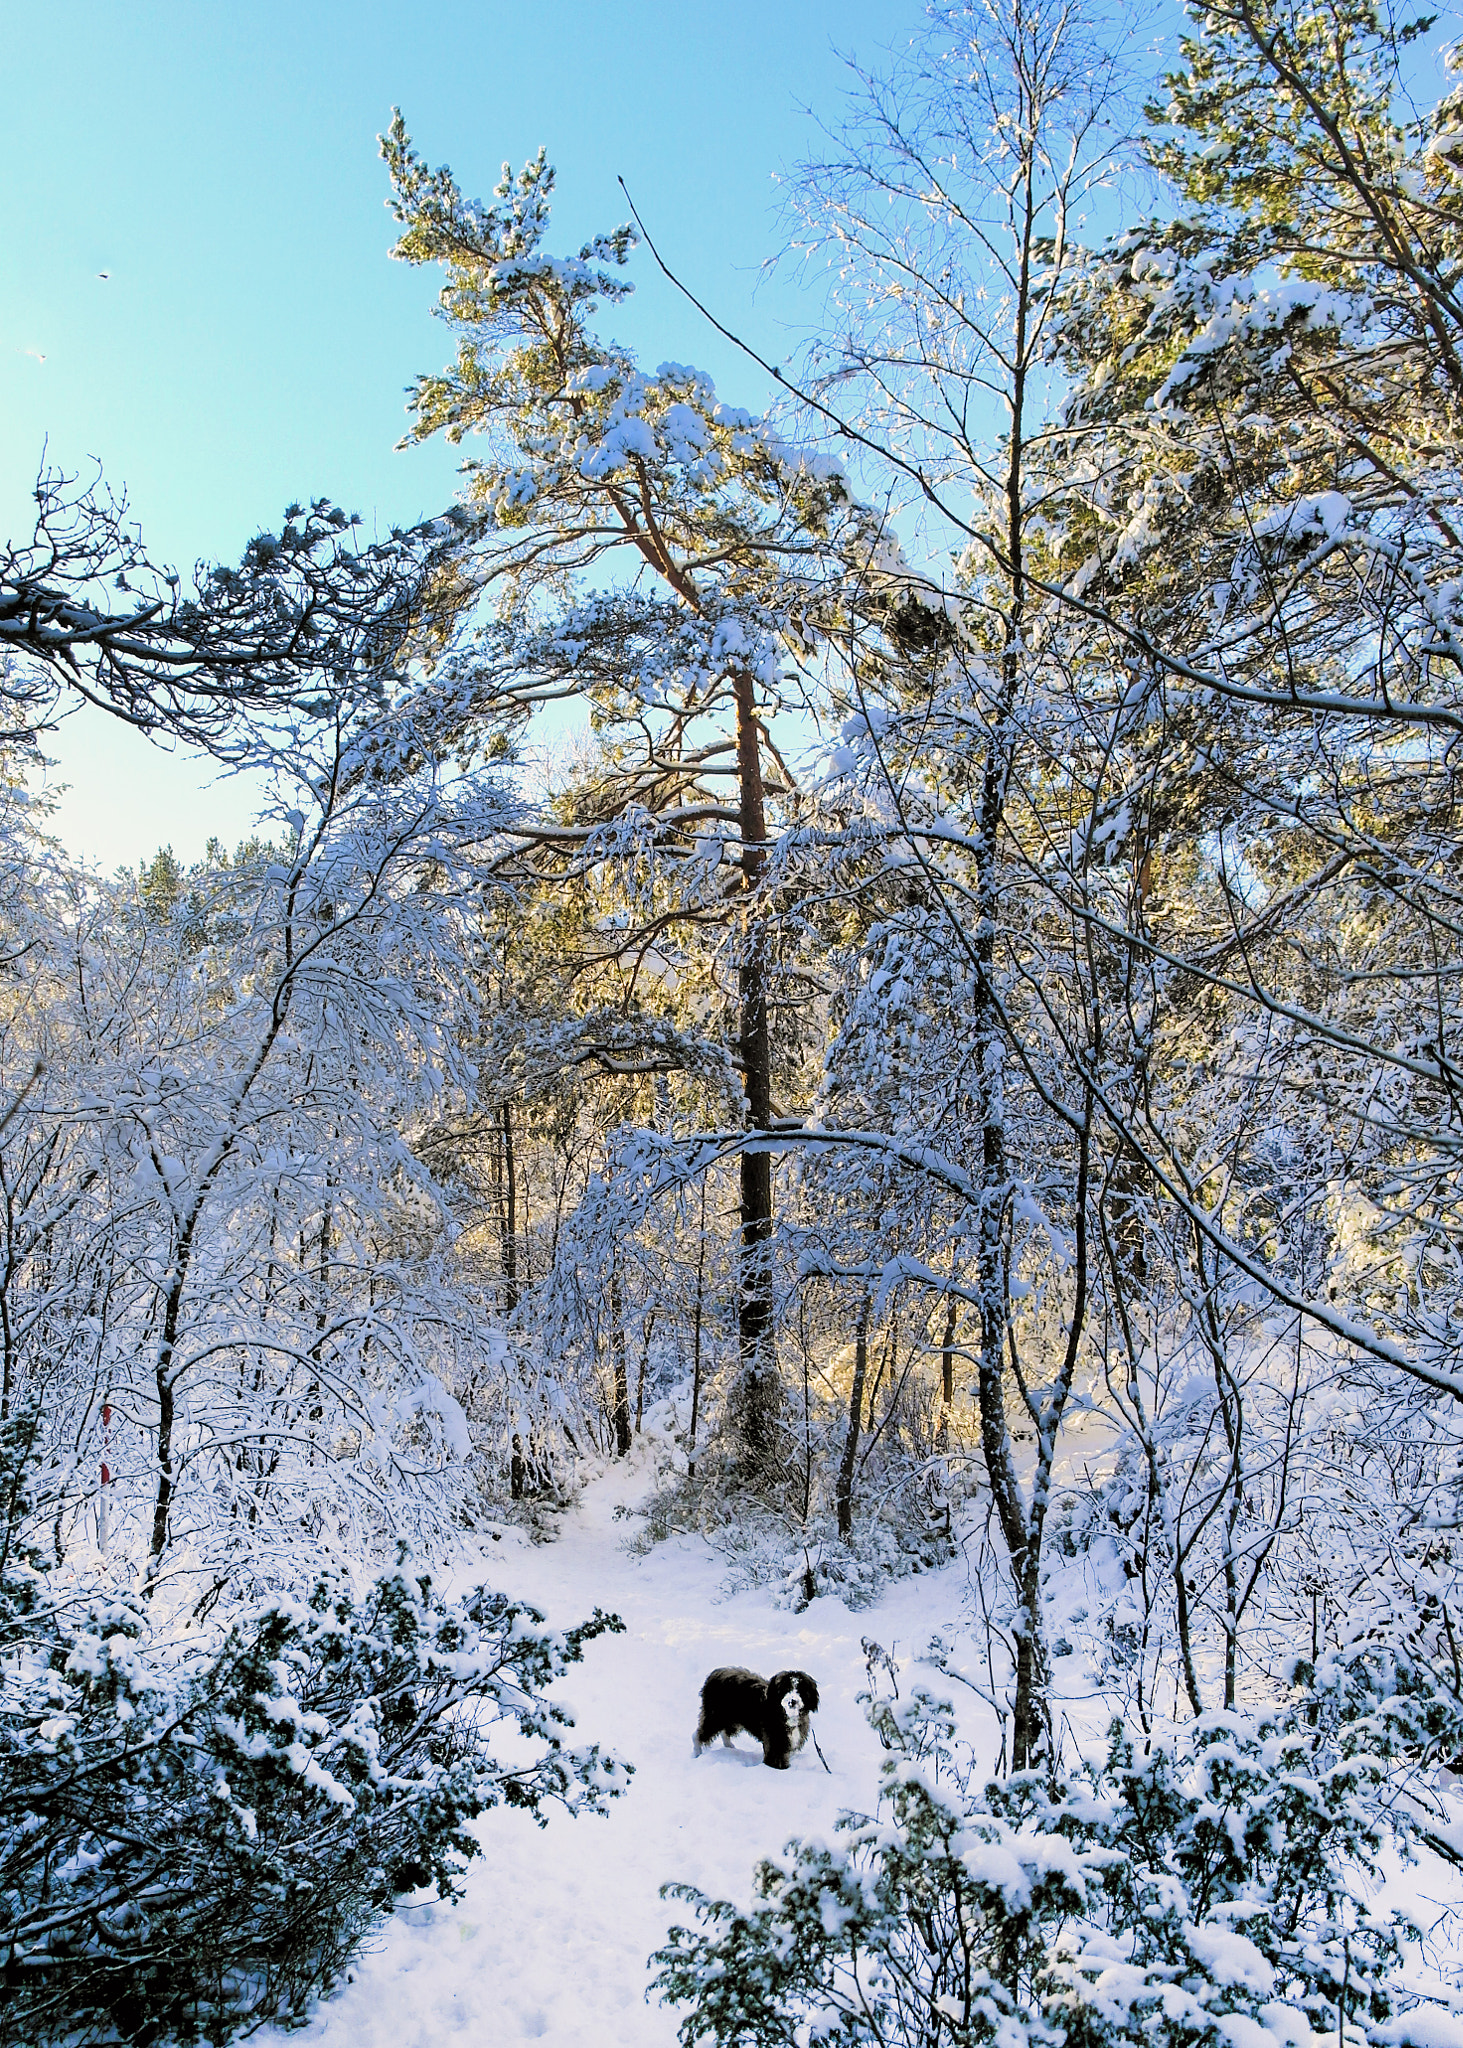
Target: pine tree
{"x": 596, "y": 470}
{"x": 1266, "y": 530}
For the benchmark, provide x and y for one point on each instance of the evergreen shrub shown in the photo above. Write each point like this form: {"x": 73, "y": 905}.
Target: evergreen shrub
{"x": 1216, "y": 1888}
{"x": 192, "y": 1841}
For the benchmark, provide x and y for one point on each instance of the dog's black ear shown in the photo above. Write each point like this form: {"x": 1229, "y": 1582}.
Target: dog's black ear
{"x": 809, "y": 1691}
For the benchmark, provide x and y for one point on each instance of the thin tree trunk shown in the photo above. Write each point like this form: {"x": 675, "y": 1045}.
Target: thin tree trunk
{"x": 992, "y": 1254}
{"x": 889, "y": 1351}
{"x": 1232, "y": 1420}
{"x": 696, "y": 1336}
{"x": 166, "y": 1368}
{"x": 1159, "y": 1489}
{"x": 617, "y": 1353}
{"x": 1031, "y": 1714}
{"x": 807, "y": 1408}
{"x": 166, "y": 1409}
{"x": 992, "y": 1248}
{"x": 640, "y": 1375}
{"x": 855, "y": 1415}
{"x": 323, "y": 1249}
{"x": 7, "y": 1339}
{"x": 508, "y": 1214}
{"x": 947, "y": 1374}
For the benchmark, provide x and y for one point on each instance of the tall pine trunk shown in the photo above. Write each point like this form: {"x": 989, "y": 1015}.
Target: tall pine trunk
{"x": 759, "y": 1393}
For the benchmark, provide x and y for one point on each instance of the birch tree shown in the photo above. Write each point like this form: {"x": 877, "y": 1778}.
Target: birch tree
{"x": 952, "y": 214}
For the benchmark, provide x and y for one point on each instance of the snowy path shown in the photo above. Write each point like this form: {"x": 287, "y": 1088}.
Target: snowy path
{"x": 550, "y": 1939}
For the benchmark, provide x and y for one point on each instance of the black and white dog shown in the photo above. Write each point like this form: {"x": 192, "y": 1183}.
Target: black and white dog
{"x": 774, "y": 1710}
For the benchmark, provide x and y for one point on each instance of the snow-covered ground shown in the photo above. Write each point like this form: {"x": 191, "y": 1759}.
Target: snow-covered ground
{"x": 550, "y": 1938}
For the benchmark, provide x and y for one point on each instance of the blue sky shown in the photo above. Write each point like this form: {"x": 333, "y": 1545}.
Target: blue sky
{"x": 250, "y": 341}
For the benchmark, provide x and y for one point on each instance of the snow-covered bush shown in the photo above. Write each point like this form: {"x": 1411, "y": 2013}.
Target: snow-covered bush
{"x": 796, "y": 1559}
{"x": 191, "y": 1841}
{"x": 19, "y": 1566}
{"x": 1216, "y": 1887}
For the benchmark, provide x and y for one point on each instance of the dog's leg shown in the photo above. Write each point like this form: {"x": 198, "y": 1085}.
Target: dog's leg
{"x": 726, "y": 1741}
